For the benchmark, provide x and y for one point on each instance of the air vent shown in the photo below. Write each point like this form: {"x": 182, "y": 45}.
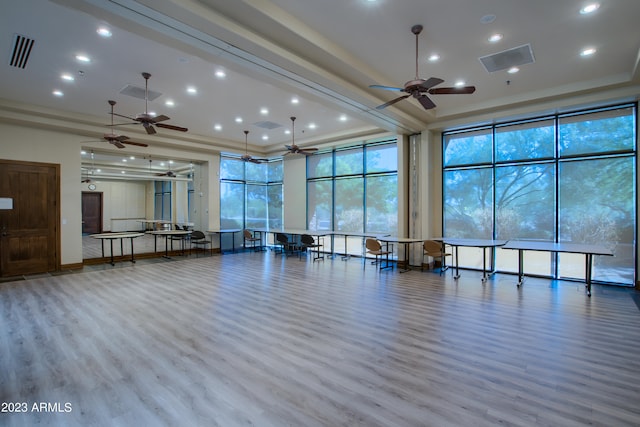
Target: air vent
{"x": 21, "y": 50}
{"x": 138, "y": 92}
{"x": 267, "y": 125}
{"x": 509, "y": 58}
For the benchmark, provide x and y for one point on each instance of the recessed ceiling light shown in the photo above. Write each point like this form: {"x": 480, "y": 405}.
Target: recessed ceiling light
{"x": 132, "y": 157}
{"x": 124, "y": 160}
{"x": 122, "y": 172}
{"x": 83, "y": 58}
{"x": 170, "y": 162}
{"x": 162, "y": 164}
{"x": 220, "y": 74}
{"x": 169, "y": 103}
{"x": 104, "y": 32}
{"x": 295, "y": 100}
{"x": 153, "y": 113}
{"x": 343, "y": 118}
{"x": 238, "y": 119}
{"x": 513, "y": 70}
{"x": 312, "y": 125}
{"x": 434, "y": 57}
{"x": 68, "y": 77}
{"x": 488, "y": 19}
{"x": 265, "y": 137}
{"x": 460, "y": 83}
{"x": 287, "y": 132}
{"x": 264, "y": 111}
{"x": 58, "y": 93}
{"x": 83, "y": 152}
{"x": 192, "y": 90}
{"x": 588, "y": 51}
{"x": 590, "y": 8}
{"x": 494, "y": 38}
{"x": 217, "y": 127}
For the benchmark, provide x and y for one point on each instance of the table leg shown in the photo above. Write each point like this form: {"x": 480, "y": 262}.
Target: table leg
{"x": 132, "y": 258}
{"x": 484, "y": 265}
{"x": 406, "y": 259}
{"x": 346, "y": 250}
{"x": 457, "y": 276}
{"x": 520, "y": 268}
{"x": 589, "y": 265}
{"x": 111, "y": 241}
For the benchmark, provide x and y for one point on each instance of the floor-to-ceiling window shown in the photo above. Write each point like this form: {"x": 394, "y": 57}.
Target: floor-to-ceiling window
{"x": 354, "y": 189}
{"x": 564, "y": 177}
{"x": 250, "y": 194}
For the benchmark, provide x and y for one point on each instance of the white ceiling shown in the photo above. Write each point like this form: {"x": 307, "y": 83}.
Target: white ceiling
{"x": 326, "y": 53}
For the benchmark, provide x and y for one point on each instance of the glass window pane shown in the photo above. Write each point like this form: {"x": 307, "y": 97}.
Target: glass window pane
{"x": 525, "y": 200}
{"x": 320, "y": 165}
{"x": 599, "y": 132}
{"x": 468, "y": 203}
{"x": 382, "y": 158}
{"x": 231, "y": 168}
{"x": 525, "y": 207}
{"x": 349, "y": 204}
{"x": 256, "y": 211}
{"x": 231, "y": 204}
{"x": 597, "y": 205}
{"x": 256, "y": 172}
{"x": 275, "y": 206}
{"x": 468, "y": 148}
{"x": 524, "y": 141}
{"x": 274, "y": 171}
{"x": 319, "y": 202}
{"x": 382, "y": 204}
{"x": 349, "y": 162}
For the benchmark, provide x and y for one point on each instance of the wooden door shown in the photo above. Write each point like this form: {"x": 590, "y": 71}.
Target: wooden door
{"x": 30, "y": 232}
{"x": 91, "y": 212}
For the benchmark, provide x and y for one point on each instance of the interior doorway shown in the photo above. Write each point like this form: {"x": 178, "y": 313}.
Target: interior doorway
{"x": 30, "y": 230}
{"x": 91, "y": 212}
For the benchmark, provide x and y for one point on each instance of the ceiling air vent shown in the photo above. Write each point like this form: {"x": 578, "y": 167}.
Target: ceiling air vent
{"x": 21, "y": 50}
{"x": 267, "y": 125}
{"x": 138, "y": 92}
{"x": 509, "y": 58}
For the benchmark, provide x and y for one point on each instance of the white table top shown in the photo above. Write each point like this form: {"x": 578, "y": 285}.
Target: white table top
{"x": 119, "y": 235}
{"x": 567, "y": 247}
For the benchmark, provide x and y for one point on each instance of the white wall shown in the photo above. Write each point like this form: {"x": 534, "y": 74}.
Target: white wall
{"x": 295, "y": 192}
{"x": 123, "y": 202}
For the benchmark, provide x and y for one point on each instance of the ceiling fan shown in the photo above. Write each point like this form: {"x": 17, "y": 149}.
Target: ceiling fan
{"x": 119, "y": 140}
{"x": 147, "y": 120}
{"x": 246, "y": 157}
{"x": 419, "y": 88}
{"x": 293, "y": 148}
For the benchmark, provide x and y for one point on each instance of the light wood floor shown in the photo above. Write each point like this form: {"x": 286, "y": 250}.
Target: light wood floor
{"x": 254, "y": 339}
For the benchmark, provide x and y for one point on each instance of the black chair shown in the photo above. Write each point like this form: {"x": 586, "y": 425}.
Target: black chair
{"x": 308, "y": 243}
{"x": 286, "y": 247}
{"x": 179, "y": 237}
{"x": 199, "y": 240}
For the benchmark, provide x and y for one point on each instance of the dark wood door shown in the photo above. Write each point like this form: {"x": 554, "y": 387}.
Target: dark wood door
{"x": 91, "y": 212}
{"x": 30, "y": 232}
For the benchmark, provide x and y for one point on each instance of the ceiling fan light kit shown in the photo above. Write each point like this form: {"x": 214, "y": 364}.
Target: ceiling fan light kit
{"x": 418, "y": 88}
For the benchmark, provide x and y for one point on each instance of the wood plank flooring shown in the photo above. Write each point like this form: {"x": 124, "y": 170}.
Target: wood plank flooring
{"x": 254, "y": 339}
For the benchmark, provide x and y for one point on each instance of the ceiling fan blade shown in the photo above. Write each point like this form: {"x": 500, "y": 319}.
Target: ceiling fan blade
{"x": 116, "y": 143}
{"x": 398, "y": 89}
{"x": 120, "y": 138}
{"x": 147, "y": 126}
{"x": 431, "y": 82}
{"x": 393, "y": 101}
{"x": 453, "y": 90}
{"x": 120, "y": 115}
{"x": 139, "y": 144}
{"x": 172, "y": 127}
{"x": 311, "y": 150}
{"x": 160, "y": 118}
{"x": 426, "y": 102}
